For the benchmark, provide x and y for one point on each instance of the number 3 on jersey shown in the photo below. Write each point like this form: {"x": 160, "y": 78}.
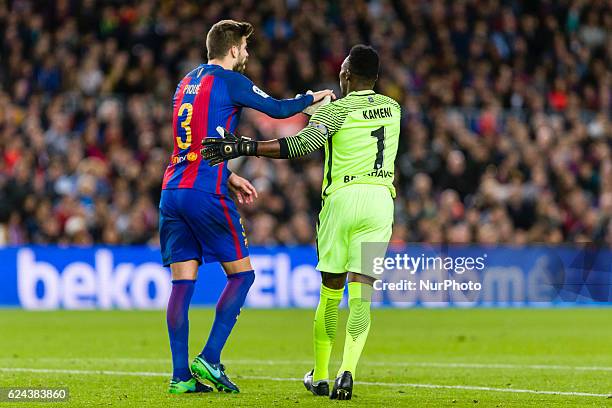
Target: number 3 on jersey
{"x": 185, "y": 125}
{"x": 379, "y": 134}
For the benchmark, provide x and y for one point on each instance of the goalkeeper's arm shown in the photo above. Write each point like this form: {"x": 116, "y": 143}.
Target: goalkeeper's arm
{"x": 306, "y": 141}
{"x": 323, "y": 124}
{"x": 229, "y": 146}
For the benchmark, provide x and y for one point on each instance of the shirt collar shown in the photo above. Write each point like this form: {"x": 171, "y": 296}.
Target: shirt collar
{"x": 362, "y": 92}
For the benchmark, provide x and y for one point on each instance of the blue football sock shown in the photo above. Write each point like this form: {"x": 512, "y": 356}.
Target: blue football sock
{"x": 228, "y": 309}
{"x": 177, "y": 318}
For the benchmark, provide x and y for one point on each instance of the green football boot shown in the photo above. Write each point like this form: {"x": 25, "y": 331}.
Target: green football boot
{"x": 215, "y": 373}
{"x": 187, "y": 387}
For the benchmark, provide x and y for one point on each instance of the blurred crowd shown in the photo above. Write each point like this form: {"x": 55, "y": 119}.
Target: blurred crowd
{"x": 506, "y": 134}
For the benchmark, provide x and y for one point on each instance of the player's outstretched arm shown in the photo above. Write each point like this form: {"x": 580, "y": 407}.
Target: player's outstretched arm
{"x": 244, "y": 93}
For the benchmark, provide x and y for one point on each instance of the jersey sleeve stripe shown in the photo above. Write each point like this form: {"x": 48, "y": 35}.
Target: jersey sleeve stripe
{"x": 321, "y": 127}
{"x": 306, "y": 141}
{"x": 328, "y": 177}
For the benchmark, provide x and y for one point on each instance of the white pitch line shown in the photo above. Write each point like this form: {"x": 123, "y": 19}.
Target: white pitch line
{"x": 85, "y": 372}
{"x": 439, "y": 365}
{"x": 498, "y": 365}
{"x": 365, "y": 363}
{"x": 367, "y": 383}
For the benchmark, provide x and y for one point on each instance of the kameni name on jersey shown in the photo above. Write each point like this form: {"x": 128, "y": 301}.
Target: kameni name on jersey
{"x": 379, "y": 113}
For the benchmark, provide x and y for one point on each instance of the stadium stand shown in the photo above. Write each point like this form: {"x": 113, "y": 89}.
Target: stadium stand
{"x": 506, "y": 134}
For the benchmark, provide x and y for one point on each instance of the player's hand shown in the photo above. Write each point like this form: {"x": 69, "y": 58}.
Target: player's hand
{"x": 227, "y": 147}
{"x": 242, "y": 189}
{"x": 320, "y": 98}
{"x": 320, "y": 95}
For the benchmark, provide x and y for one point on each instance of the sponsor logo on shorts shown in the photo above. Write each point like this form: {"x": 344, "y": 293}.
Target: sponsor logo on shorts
{"x": 246, "y": 241}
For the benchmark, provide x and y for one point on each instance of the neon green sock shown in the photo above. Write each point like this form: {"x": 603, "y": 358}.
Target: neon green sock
{"x": 357, "y": 326}
{"x": 324, "y": 331}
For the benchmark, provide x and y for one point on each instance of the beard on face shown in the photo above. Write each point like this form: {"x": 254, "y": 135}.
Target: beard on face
{"x": 240, "y": 66}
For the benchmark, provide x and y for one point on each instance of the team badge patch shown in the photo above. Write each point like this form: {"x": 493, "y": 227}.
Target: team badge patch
{"x": 319, "y": 126}
{"x": 260, "y": 92}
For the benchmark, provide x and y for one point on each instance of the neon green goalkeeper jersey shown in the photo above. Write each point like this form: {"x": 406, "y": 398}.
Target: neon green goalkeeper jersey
{"x": 360, "y": 133}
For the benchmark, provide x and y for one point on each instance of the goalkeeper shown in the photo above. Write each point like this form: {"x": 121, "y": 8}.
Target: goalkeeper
{"x": 360, "y": 133}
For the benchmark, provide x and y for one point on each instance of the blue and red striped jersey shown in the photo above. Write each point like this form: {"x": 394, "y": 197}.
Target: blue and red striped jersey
{"x": 207, "y": 97}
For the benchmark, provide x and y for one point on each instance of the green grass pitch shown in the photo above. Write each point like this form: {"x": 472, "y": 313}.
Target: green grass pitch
{"x": 414, "y": 358}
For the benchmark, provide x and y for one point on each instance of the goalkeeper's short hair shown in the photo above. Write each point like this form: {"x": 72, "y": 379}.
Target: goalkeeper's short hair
{"x": 363, "y": 62}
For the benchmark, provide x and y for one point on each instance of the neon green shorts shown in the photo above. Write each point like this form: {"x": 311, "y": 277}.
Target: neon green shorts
{"x": 352, "y": 215}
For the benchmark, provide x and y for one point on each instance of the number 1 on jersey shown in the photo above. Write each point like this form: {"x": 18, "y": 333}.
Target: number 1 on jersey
{"x": 185, "y": 125}
{"x": 379, "y": 134}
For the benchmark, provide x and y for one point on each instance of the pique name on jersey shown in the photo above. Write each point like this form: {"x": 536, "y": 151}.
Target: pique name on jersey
{"x": 377, "y": 113}
{"x": 192, "y": 89}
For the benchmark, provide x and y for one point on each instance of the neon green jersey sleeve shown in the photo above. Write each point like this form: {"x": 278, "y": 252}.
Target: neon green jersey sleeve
{"x": 326, "y": 121}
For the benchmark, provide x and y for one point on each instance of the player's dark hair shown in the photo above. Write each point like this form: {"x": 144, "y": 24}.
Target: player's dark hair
{"x": 224, "y": 35}
{"x": 363, "y": 62}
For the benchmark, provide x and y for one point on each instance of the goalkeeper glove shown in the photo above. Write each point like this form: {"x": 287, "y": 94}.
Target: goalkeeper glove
{"x": 227, "y": 147}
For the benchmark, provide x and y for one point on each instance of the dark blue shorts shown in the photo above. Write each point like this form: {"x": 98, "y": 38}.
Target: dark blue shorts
{"x": 194, "y": 224}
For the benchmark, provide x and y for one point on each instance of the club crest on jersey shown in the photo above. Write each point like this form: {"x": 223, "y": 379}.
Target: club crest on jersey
{"x": 260, "y": 92}
{"x": 319, "y": 126}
